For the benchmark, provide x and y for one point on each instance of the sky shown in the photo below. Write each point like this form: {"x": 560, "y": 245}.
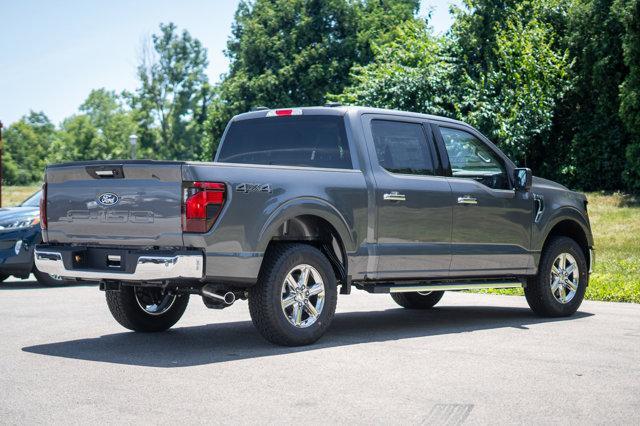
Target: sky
{"x": 54, "y": 52}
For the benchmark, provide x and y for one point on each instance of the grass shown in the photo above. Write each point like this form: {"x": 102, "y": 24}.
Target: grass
{"x": 615, "y": 221}
{"x": 14, "y": 195}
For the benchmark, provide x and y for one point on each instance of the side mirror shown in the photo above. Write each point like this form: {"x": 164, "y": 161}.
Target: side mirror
{"x": 523, "y": 179}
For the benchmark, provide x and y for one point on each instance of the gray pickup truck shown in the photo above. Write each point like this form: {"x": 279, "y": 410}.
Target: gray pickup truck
{"x": 302, "y": 203}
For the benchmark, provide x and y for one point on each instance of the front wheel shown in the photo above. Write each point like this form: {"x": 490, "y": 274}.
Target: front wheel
{"x": 562, "y": 279}
{"x": 146, "y": 309}
{"x": 295, "y": 298}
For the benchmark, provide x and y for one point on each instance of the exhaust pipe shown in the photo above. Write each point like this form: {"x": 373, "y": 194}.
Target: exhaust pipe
{"x": 224, "y": 297}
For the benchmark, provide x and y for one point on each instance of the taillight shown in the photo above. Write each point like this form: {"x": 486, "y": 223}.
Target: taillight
{"x": 203, "y": 202}
{"x": 43, "y": 207}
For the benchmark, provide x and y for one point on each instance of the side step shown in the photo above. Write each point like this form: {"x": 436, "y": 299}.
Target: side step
{"x": 439, "y": 285}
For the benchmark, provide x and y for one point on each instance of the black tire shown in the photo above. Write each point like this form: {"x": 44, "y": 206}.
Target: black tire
{"x": 265, "y": 297}
{"x": 125, "y": 309}
{"x": 47, "y": 280}
{"x": 538, "y": 290}
{"x": 415, "y": 300}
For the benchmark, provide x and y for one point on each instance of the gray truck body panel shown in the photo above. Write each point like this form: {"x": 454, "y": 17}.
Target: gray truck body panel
{"x": 430, "y": 235}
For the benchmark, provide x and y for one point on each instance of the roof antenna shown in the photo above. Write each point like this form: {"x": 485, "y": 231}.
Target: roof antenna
{"x": 259, "y": 108}
{"x": 333, "y": 104}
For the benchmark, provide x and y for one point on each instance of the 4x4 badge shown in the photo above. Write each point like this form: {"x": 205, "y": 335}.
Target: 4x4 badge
{"x": 253, "y": 187}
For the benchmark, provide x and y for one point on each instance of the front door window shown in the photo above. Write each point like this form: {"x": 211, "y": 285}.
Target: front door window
{"x": 471, "y": 158}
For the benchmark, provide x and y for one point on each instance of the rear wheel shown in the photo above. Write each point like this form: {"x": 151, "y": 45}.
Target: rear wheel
{"x": 562, "y": 279}
{"x": 418, "y": 299}
{"x": 295, "y": 298}
{"x": 146, "y": 309}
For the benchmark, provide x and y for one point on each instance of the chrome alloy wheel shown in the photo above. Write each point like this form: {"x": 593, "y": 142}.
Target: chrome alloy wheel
{"x": 153, "y": 300}
{"x": 564, "y": 278}
{"x": 302, "y": 296}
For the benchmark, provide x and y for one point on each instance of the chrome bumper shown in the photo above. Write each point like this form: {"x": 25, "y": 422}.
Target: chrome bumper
{"x": 148, "y": 268}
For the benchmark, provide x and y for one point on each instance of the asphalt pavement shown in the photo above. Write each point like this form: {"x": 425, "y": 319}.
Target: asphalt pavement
{"x": 474, "y": 359}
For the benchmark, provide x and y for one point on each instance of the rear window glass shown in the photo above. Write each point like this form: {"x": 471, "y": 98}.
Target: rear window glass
{"x": 308, "y": 141}
{"x": 402, "y": 147}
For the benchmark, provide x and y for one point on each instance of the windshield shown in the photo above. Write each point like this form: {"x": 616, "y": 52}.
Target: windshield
{"x": 33, "y": 201}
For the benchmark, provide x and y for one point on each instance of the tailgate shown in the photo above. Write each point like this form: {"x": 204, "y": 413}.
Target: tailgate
{"x": 132, "y": 203}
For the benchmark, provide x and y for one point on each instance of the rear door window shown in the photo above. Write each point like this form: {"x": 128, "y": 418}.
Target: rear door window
{"x": 402, "y": 147}
{"x": 306, "y": 141}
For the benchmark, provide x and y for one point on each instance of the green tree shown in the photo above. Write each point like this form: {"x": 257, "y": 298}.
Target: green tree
{"x": 411, "y": 71}
{"x": 514, "y": 100}
{"x": 599, "y": 136}
{"x": 294, "y": 52}
{"x": 171, "y": 102}
{"x": 27, "y": 147}
{"x": 508, "y": 89}
{"x": 514, "y": 72}
{"x": 628, "y": 11}
{"x": 100, "y": 132}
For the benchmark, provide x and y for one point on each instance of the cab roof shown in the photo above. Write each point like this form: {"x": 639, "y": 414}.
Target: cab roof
{"x": 338, "y": 110}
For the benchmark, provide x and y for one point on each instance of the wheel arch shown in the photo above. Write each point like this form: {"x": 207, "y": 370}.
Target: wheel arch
{"x": 311, "y": 221}
{"x": 571, "y": 228}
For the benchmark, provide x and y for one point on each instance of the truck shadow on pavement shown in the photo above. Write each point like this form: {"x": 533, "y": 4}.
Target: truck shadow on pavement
{"x": 35, "y": 285}
{"x": 224, "y": 342}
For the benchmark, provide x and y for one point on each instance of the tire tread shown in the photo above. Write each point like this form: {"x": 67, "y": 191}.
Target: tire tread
{"x": 127, "y": 313}
{"x": 413, "y": 300}
{"x": 265, "y": 315}
{"x": 537, "y": 292}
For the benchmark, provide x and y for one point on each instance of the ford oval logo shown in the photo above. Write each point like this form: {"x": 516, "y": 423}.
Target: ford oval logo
{"x": 108, "y": 199}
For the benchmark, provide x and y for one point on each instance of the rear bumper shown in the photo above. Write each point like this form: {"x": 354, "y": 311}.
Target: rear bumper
{"x": 146, "y": 267}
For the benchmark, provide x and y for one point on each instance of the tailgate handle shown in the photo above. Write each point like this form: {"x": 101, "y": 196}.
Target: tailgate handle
{"x": 106, "y": 171}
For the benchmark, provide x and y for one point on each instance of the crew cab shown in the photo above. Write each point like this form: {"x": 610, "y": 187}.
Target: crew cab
{"x": 299, "y": 204}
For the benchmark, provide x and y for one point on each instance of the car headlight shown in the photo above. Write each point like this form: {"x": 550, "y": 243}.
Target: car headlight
{"x": 23, "y": 223}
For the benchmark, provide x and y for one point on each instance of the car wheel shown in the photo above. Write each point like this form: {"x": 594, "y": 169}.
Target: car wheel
{"x": 146, "y": 309}
{"x": 48, "y": 280}
{"x": 295, "y": 298}
{"x": 418, "y": 299}
{"x": 558, "y": 288}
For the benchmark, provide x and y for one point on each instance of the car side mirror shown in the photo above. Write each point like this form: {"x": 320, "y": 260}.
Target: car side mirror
{"x": 523, "y": 178}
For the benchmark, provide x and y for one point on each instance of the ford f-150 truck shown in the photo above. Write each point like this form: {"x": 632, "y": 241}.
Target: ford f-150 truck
{"x": 302, "y": 203}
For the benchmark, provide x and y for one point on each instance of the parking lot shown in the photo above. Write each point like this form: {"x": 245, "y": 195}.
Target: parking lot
{"x": 473, "y": 359}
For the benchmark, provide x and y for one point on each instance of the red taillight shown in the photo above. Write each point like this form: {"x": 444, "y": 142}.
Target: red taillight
{"x": 43, "y": 207}
{"x": 203, "y": 202}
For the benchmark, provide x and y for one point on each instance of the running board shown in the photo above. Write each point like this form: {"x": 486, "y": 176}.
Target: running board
{"x": 439, "y": 286}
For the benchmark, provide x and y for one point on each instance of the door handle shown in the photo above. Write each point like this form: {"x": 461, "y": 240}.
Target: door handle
{"x": 394, "y": 196}
{"x": 467, "y": 199}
